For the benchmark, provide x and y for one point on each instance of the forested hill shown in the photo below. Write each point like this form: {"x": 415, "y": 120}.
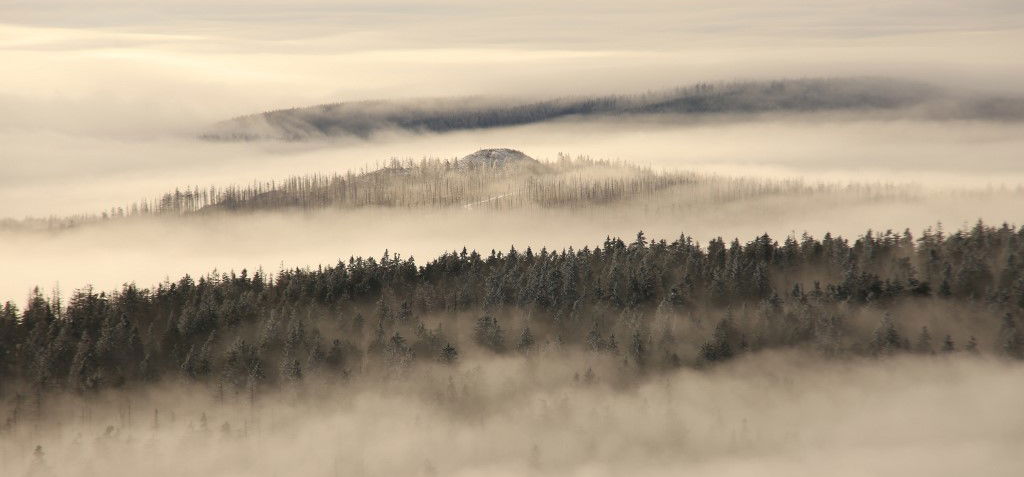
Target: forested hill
{"x": 497, "y": 179}
{"x": 364, "y": 119}
{"x": 649, "y": 305}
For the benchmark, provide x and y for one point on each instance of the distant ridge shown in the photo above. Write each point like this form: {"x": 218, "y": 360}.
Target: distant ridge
{"x": 366, "y": 118}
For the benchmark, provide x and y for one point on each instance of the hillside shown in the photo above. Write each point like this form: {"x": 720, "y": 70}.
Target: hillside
{"x": 497, "y": 179}
{"x": 366, "y": 118}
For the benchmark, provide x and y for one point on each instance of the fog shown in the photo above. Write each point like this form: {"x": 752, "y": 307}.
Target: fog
{"x": 226, "y": 57}
{"x": 769, "y": 413}
{"x": 107, "y": 173}
{"x": 103, "y": 103}
{"x": 116, "y": 69}
{"x": 101, "y": 109}
{"x": 148, "y": 250}
{"x": 51, "y": 173}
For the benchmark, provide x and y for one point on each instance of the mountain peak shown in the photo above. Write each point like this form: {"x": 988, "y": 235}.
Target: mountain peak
{"x": 496, "y": 157}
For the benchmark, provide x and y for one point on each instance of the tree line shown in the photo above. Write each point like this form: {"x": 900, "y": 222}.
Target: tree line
{"x": 653, "y": 305}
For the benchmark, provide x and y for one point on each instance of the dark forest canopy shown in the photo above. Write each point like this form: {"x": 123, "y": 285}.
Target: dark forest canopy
{"x": 653, "y": 305}
{"x": 366, "y": 118}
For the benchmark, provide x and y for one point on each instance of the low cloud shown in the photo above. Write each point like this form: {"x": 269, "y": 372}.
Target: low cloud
{"x": 770, "y": 413}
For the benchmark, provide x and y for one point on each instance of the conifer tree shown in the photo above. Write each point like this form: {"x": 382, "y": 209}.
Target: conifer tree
{"x": 526, "y": 341}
